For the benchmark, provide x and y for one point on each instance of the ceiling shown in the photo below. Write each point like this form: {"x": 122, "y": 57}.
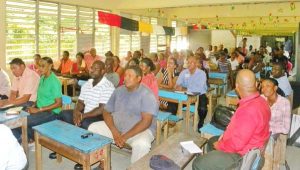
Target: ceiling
{"x": 265, "y": 17}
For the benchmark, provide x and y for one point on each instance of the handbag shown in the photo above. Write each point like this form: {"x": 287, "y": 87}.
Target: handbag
{"x": 221, "y": 116}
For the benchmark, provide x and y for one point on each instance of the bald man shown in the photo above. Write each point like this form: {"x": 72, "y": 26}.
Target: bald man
{"x": 248, "y": 128}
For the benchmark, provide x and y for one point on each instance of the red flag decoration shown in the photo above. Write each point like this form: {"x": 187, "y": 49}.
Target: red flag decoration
{"x": 109, "y": 19}
{"x": 195, "y": 27}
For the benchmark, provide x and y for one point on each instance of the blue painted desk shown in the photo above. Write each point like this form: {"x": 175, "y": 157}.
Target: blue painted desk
{"x": 218, "y": 79}
{"x": 15, "y": 121}
{"x": 65, "y": 139}
{"x": 180, "y": 98}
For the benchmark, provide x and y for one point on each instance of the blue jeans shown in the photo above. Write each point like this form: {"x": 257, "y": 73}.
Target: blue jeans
{"x": 34, "y": 120}
{"x": 67, "y": 116}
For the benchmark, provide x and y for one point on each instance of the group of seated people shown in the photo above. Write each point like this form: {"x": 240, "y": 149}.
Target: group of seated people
{"x": 122, "y": 103}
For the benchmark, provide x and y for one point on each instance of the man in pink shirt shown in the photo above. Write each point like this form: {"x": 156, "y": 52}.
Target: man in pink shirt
{"x": 91, "y": 57}
{"x": 248, "y": 128}
{"x": 24, "y": 85}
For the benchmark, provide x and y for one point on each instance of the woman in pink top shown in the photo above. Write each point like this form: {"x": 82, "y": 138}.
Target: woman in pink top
{"x": 162, "y": 60}
{"x": 149, "y": 79}
{"x": 34, "y": 66}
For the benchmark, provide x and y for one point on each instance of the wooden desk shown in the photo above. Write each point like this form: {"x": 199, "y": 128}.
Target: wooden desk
{"x": 65, "y": 139}
{"x": 65, "y": 81}
{"x": 181, "y": 99}
{"x": 232, "y": 98}
{"x": 172, "y": 149}
{"x": 15, "y": 121}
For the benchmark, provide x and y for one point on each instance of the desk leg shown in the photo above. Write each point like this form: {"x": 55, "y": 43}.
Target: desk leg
{"x": 166, "y": 130}
{"x": 86, "y": 166}
{"x": 158, "y": 130}
{"x": 73, "y": 89}
{"x": 24, "y": 135}
{"x": 65, "y": 88}
{"x": 187, "y": 118}
{"x": 107, "y": 156}
{"x": 58, "y": 158}
{"x": 179, "y": 113}
{"x": 38, "y": 152}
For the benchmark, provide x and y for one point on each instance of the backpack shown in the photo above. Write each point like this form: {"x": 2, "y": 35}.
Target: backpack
{"x": 222, "y": 116}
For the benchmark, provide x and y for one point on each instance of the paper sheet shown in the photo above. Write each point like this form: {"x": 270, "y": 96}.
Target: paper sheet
{"x": 191, "y": 147}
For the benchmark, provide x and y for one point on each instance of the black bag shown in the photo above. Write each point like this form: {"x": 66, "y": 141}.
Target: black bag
{"x": 222, "y": 116}
{"x": 161, "y": 162}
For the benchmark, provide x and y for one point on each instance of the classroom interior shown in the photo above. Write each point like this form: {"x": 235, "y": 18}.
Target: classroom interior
{"x": 49, "y": 27}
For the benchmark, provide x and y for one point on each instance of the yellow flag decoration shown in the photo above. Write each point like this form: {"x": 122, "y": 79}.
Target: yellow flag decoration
{"x": 145, "y": 27}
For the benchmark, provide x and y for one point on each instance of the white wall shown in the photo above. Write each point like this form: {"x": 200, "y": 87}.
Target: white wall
{"x": 203, "y": 38}
{"x": 199, "y": 38}
{"x": 224, "y": 37}
{"x": 251, "y": 40}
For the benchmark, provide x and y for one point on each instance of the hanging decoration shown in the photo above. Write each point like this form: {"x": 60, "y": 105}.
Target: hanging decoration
{"x": 133, "y": 25}
{"x": 270, "y": 17}
{"x": 232, "y": 7}
{"x": 292, "y": 6}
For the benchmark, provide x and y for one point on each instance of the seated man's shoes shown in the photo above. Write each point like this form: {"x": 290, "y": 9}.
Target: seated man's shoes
{"x": 52, "y": 155}
{"x": 78, "y": 167}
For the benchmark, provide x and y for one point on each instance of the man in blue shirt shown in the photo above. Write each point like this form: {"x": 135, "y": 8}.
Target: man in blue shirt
{"x": 193, "y": 80}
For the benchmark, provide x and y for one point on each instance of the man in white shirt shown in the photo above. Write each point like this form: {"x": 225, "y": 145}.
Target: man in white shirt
{"x": 278, "y": 73}
{"x": 12, "y": 156}
{"x": 93, "y": 97}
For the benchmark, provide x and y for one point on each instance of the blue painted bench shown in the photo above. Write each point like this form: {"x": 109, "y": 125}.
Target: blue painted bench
{"x": 65, "y": 139}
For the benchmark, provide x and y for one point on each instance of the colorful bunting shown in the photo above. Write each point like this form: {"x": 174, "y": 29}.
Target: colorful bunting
{"x": 109, "y": 19}
{"x": 133, "y": 25}
{"x": 145, "y": 27}
{"x": 292, "y": 6}
{"x": 129, "y": 24}
{"x": 157, "y": 29}
{"x": 169, "y": 30}
{"x": 184, "y": 30}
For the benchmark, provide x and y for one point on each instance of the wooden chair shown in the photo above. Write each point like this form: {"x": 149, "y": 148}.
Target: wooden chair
{"x": 161, "y": 122}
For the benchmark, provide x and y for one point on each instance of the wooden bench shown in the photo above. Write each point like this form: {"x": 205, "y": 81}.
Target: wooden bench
{"x": 172, "y": 149}
{"x": 65, "y": 139}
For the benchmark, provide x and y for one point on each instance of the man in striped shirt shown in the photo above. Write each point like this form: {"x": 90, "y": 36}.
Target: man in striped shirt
{"x": 92, "y": 99}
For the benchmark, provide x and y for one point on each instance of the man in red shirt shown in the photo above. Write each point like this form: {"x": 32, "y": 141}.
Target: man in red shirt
{"x": 248, "y": 128}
